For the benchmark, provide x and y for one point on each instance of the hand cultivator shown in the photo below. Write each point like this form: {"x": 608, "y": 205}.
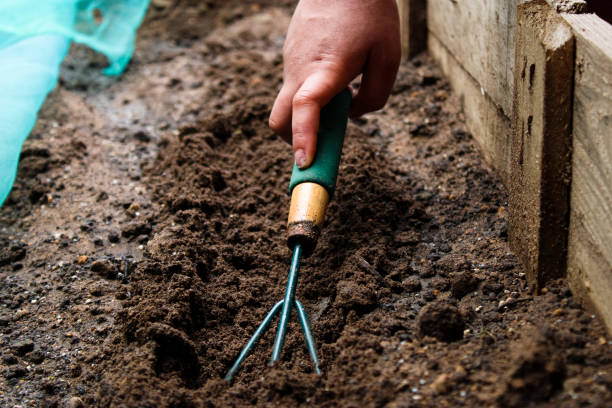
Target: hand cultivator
{"x": 311, "y": 189}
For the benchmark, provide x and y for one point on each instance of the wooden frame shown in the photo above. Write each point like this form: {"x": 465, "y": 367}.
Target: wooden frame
{"x": 590, "y": 234}
{"x": 561, "y": 186}
{"x": 541, "y": 142}
{"x": 413, "y": 26}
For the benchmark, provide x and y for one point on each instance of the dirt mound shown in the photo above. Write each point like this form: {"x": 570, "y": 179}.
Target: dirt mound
{"x": 537, "y": 372}
{"x": 407, "y": 252}
{"x": 441, "y": 320}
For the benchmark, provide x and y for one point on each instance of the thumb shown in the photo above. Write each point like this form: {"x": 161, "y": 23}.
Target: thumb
{"x": 314, "y": 93}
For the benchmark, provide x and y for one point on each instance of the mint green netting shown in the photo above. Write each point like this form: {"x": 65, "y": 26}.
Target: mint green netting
{"x": 34, "y": 38}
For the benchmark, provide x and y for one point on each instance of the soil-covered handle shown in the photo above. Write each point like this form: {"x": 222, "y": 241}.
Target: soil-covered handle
{"x": 332, "y": 127}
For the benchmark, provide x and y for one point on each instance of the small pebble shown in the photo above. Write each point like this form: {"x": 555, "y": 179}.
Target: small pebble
{"x": 103, "y": 268}
{"x": 441, "y": 320}
{"x": 441, "y": 384}
{"x": 74, "y": 402}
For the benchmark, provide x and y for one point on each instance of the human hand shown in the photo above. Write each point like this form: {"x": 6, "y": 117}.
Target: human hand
{"x": 329, "y": 43}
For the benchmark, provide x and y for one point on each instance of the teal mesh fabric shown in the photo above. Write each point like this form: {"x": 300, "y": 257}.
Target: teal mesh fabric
{"x": 34, "y": 38}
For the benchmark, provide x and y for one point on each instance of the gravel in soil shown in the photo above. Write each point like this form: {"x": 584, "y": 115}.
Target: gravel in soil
{"x": 145, "y": 241}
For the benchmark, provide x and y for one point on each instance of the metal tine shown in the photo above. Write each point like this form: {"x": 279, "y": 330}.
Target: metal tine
{"x": 308, "y": 334}
{"x": 247, "y": 349}
{"x": 288, "y": 302}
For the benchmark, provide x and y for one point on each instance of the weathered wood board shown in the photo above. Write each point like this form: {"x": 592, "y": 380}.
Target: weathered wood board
{"x": 541, "y": 142}
{"x": 480, "y": 34}
{"x": 590, "y": 236}
{"x": 413, "y": 26}
{"x": 488, "y": 124}
{"x": 474, "y": 45}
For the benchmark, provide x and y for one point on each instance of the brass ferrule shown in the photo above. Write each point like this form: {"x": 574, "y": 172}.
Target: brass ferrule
{"x": 306, "y": 215}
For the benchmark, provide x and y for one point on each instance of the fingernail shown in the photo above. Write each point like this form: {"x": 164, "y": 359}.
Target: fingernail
{"x": 300, "y": 158}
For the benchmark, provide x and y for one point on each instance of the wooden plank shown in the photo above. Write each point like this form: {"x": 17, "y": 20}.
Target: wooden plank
{"x": 590, "y": 236}
{"x": 488, "y": 124}
{"x": 541, "y": 142}
{"x": 480, "y": 35}
{"x": 413, "y": 26}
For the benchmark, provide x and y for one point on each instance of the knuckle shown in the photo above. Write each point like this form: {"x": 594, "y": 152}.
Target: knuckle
{"x": 304, "y": 98}
{"x": 299, "y": 135}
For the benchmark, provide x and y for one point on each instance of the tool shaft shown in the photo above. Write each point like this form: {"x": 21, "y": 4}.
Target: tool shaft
{"x": 287, "y": 303}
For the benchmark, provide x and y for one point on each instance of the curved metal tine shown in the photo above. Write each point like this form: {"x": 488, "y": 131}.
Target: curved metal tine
{"x": 307, "y": 334}
{"x": 247, "y": 349}
{"x": 288, "y": 302}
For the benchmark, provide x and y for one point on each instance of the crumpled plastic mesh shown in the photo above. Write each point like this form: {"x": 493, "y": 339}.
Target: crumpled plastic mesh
{"x": 34, "y": 38}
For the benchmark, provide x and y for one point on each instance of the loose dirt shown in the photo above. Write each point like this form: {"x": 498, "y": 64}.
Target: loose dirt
{"x": 145, "y": 241}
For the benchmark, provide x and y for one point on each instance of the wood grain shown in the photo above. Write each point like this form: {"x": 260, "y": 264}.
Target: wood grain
{"x": 590, "y": 236}
{"x": 480, "y": 34}
{"x": 541, "y": 142}
{"x": 413, "y": 26}
{"x": 488, "y": 124}
{"x": 308, "y": 204}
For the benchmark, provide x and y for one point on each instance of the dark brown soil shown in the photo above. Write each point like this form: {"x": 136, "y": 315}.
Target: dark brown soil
{"x": 145, "y": 241}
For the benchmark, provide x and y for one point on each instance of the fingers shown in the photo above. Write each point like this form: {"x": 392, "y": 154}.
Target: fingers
{"x": 296, "y": 110}
{"x": 316, "y": 91}
{"x": 377, "y": 81}
{"x": 280, "y": 117}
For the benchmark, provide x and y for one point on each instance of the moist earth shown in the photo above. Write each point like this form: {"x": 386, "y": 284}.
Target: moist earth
{"x": 144, "y": 241}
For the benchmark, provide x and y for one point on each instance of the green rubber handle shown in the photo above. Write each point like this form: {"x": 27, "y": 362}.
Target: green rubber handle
{"x": 330, "y": 138}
